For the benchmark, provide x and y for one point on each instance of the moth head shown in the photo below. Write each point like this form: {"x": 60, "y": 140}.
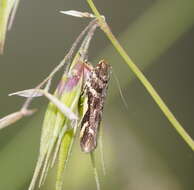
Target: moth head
{"x": 103, "y": 70}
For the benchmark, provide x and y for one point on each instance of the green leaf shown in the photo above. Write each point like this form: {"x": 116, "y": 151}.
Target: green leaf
{"x": 64, "y": 153}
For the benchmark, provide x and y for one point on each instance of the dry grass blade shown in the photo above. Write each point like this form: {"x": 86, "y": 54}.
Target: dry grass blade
{"x": 33, "y": 93}
{"x": 38, "y": 92}
{"x": 13, "y": 117}
{"x": 78, "y": 14}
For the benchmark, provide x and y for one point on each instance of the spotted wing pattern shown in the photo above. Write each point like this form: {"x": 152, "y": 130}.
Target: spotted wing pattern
{"x": 95, "y": 90}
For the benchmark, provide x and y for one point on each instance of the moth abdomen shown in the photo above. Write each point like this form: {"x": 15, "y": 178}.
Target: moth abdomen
{"x": 88, "y": 138}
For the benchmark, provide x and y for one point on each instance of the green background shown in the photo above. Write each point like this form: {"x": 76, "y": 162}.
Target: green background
{"x": 142, "y": 151}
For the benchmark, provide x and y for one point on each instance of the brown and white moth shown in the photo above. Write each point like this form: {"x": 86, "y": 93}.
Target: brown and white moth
{"x": 95, "y": 90}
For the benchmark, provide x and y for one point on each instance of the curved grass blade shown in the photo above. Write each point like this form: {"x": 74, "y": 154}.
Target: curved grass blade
{"x": 64, "y": 154}
{"x": 55, "y": 122}
{"x": 6, "y": 7}
{"x": 13, "y": 117}
{"x": 13, "y": 13}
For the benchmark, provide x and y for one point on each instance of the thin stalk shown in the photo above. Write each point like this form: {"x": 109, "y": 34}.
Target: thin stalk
{"x": 169, "y": 115}
{"x": 61, "y": 64}
{"x": 96, "y": 176}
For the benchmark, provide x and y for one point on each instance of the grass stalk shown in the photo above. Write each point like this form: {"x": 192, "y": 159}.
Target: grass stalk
{"x": 169, "y": 115}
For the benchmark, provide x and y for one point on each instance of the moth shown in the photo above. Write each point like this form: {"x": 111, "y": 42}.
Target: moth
{"x": 95, "y": 91}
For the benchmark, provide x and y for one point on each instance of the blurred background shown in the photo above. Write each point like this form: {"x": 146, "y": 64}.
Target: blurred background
{"x": 142, "y": 151}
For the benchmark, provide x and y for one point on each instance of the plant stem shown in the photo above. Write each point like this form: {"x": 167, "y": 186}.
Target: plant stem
{"x": 96, "y": 176}
{"x": 169, "y": 115}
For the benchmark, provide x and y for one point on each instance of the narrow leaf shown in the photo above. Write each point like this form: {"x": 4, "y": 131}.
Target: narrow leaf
{"x": 61, "y": 106}
{"x": 64, "y": 154}
{"x": 55, "y": 124}
{"x": 6, "y": 6}
{"x": 13, "y": 13}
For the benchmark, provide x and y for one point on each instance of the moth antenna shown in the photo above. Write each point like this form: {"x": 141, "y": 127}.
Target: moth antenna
{"x": 120, "y": 91}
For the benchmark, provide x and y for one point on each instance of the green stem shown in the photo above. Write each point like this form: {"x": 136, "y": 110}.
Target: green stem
{"x": 142, "y": 78}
